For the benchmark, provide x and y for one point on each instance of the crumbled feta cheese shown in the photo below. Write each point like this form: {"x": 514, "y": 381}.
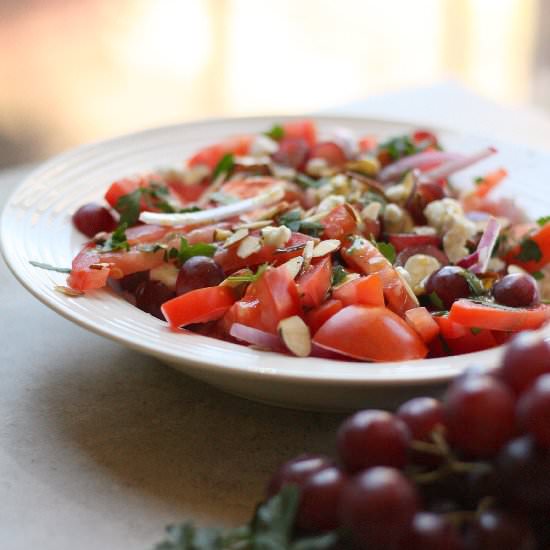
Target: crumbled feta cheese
{"x": 316, "y": 167}
{"x": 330, "y": 202}
{"x": 166, "y": 274}
{"x": 496, "y": 264}
{"x": 397, "y": 193}
{"x": 515, "y": 269}
{"x": 440, "y": 214}
{"x": 283, "y": 172}
{"x": 276, "y": 236}
{"x": 263, "y": 145}
{"x": 420, "y": 267}
{"x": 454, "y": 240}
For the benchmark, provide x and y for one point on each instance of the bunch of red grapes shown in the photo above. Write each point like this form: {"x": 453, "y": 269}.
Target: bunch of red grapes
{"x": 469, "y": 472}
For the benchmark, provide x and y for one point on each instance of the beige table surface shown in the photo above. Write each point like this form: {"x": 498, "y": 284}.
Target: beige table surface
{"x": 100, "y": 446}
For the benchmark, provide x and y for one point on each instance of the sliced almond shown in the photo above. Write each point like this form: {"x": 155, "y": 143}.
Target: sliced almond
{"x": 236, "y": 237}
{"x": 253, "y": 225}
{"x": 307, "y": 254}
{"x": 296, "y": 336}
{"x": 353, "y": 212}
{"x": 248, "y": 246}
{"x": 371, "y": 211}
{"x": 68, "y": 291}
{"x": 326, "y": 247}
{"x": 222, "y": 234}
{"x": 294, "y": 265}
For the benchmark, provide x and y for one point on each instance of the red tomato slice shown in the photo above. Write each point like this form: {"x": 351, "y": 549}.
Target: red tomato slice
{"x": 449, "y": 329}
{"x": 211, "y": 155}
{"x": 370, "y": 334}
{"x": 319, "y": 315}
{"x": 339, "y": 223}
{"x": 471, "y": 314}
{"x": 366, "y": 258}
{"x": 304, "y": 129}
{"x": 471, "y": 342}
{"x": 400, "y": 241}
{"x": 366, "y": 291}
{"x": 420, "y": 319}
{"x": 330, "y": 152}
{"x": 198, "y": 306}
{"x": 314, "y": 283}
{"x": 123, "y": 187}
{"x": 246, "y": 188}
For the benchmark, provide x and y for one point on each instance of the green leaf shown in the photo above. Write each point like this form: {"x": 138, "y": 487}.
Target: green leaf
{"x": 474, "y": 284}
{"x": 128, "y": 206}
{"x": 338, "y": 275}
{"x": 313, "y": 229}
{"x": 398, "y": 147}
{"x": 529, "y": 251}
{"x": 321, "y": 542}
{"x": 305, "y": 182}
{"x": 277, "y": 132}
{"x": 116, "y": 241}
{"x": 249, "y": 277}
{"x": 224, "y": 166}
{"x": 543, "y": 221}
{"x": 274, "y": 520}
{"x": 475, "y": 331}
{"x": 388, "y": 250}
{"x": 187, "y": 251}
{"x": 538, "y": 275}
{"x": 479, "y": 180}
{"x": 436, "y": 300}
{"x": 293, "y": 220}
{"x": 50, "y": 267}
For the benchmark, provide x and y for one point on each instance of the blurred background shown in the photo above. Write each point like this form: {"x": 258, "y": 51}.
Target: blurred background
{"x": 75, "y": 71}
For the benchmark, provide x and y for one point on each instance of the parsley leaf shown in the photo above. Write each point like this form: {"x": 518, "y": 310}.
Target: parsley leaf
{"x": 276, "y": 132}
{"x": 293, "y": 220}
{"x": 338, "y": 275}
{"x": 224, "y": 166}
{"x": 187, "y": 251}
{"x": 436, "y": 300}
{"x": 475, "y": 330}
{"x": 529, "y": 250}
{"x": 474, "y": 284}
{"x": 313, "y": 229}
{"x": 248, "y": 276}
{"x": 154, "y": 196}
{"x": 388, "y": 250}
{"x": 306, "y": 182}
{"x": 128, "y": 206}
{"x": 400, "y": 146}
{"x": 50, "y": 267}
{"x": 543, "y": 221}
{"x": 538, "y": 275}
{"x": 116, "y": 241}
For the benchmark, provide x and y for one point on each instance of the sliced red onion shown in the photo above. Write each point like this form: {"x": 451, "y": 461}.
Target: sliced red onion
{"x": 449, "y": 168}
{"x": 486, "y": 245}
{"x": 420, "y": 160}
{"x": 257, "y": 337}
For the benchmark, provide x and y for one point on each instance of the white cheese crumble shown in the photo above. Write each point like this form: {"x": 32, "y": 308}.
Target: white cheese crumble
{"x": 263, "y": 145}
{"x": 276, "y": 236}
{"x": 420, "y": 267}
{"x": 330, "y": 202}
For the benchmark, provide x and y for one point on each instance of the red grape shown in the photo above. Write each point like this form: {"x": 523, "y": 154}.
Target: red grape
{"x": 292, "y": 152}
{"x": 319, "y": 500}
{"x": 534, "y": 410}
{"x": 132, "y": 281}
{"x": 297, "y": 471}
{"x": 526, "y": 358}
{"x": 479, "y": 415}
{"x": 377, "y": 507}
{"x": 150, "y": 295}
{"x": 373, "y": 438}
{"x": 92, "y": 218}
{"x": 432, "y": 532}
{"x": 198, "y": 272}
{"x": 517, "y": 290}
{"x": 449, "y": 284}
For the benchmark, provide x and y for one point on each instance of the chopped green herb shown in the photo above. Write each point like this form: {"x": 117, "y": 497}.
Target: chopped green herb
{"x": 249, "y": 276}
{"x": 474, "y": 284}
{"x": 479, "y": 180}
{"x": 370, "y": 196}
{"x": 293, "y": 220}
{"x": 338, "y": 275}
{"x": 187, "y": 251}
{"x": 475, "y": 331}
{"x": 313, "y": 229}
{"x": 398, "y": 147}
{"x": 529, "y": 251}
{"x": 500, "y": 243}
{"x": 50, "y": 267}
{"x": 128, "y": 206}
{"x": 305, "y": 182}
{"x": 387, "y": 249}
{"x": 436, "y": 300}
{"x": 154, "y": 197}
{"x": 538, "y": 275}
{"x": 543, "y": 221}
{"x": 151, "y": 247}
{"x": 277, "y": 132}
{"x": 116, "y": 241}
{"x": 224, "y": 166}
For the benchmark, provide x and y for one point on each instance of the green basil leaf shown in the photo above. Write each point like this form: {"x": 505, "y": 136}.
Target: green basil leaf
{"x": 224, "y": 166}
{"x": 128, "y": 206}
{"x": 187, "y": 251}
{"x": 543, "y": 221}
{"x": 388, "y": 250}
{"x": 250, "y": 276}
{"x": 529, "y": 251}
{"x": 436, "y": 300}
{"x": 276, "y": 132}
{"x": 338, "y": 275}
{"x": 116, "y": 241}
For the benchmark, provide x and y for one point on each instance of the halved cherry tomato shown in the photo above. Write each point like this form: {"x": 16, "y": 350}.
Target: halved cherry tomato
{"x": 366, "y": 291}
{"x": 420, "y": 320}
{"x": 370, "y": 334}
{"x": 314, "y": 282}
{"x": 366, "y": 258}
{"x": 304, "y": 129}
{"x": 400, "y": 241}
{"x": 211, "y": 155}
{"x": 472, "y": 314}
{"x": 367, "y": 144}
{"x": 489, "y": 182}
{"x": 123, "y": 187}
{"x": 472, "y": 341}
{"x": 198, "y": 306}
{"x": 330, "y": 152}
{"x": 541, "y": 238}
{"x": 339, "y": 223}
{"x": 278, "y": 295}
{"x": 425, "y": 138}
{"x": 293, "y": 152}
{"x": 319, "y": 315}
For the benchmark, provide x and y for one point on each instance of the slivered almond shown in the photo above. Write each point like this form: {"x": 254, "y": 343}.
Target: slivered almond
{"x": 296, "y": 336}
{"x": 307, "y": 254}
{"x": 349, "y": 277}
{"x": 371, "y": 211}
{"x": 236, "y": 237}
{"x": 253, "y": 225}
{"x": 294, "y": 265}
{"x": 68, "y": 291}
{"x": 248, "y": 246}
{"x": 326, "y": 247}
{"x": 222, "y": 234}
{"x": 353, "y": 212}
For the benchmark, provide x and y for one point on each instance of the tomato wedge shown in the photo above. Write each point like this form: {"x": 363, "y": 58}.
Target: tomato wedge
{"x": 449, "y": 329}
{"x": 330, "y": 152}
{"x": 370, "y": 334}
{"x": 211, "y": 155}
{"x": 318, "y": 316}
{"x": 339, "y": 223}
{"x": 489, "y": 182}
{"x": 366, "y": 291}
{"x": 400, "y": 241}
{"x": 472, "y": 341}
{"x": 314, "y": 283}
{"x": 421, "y": 320}
{"x": 472, "y": 314}
{"x": 366, "y": 258}
{"x": 304, "y": 129}
{"x": 198, "y": 306}
{"x": 540, "y": 239}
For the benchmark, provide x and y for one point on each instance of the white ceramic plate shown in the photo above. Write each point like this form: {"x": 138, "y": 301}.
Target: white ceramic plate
{"x": 36, "y": 225}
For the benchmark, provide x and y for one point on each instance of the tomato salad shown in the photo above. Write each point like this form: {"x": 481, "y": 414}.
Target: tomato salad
{"x": 329, "y": 246}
